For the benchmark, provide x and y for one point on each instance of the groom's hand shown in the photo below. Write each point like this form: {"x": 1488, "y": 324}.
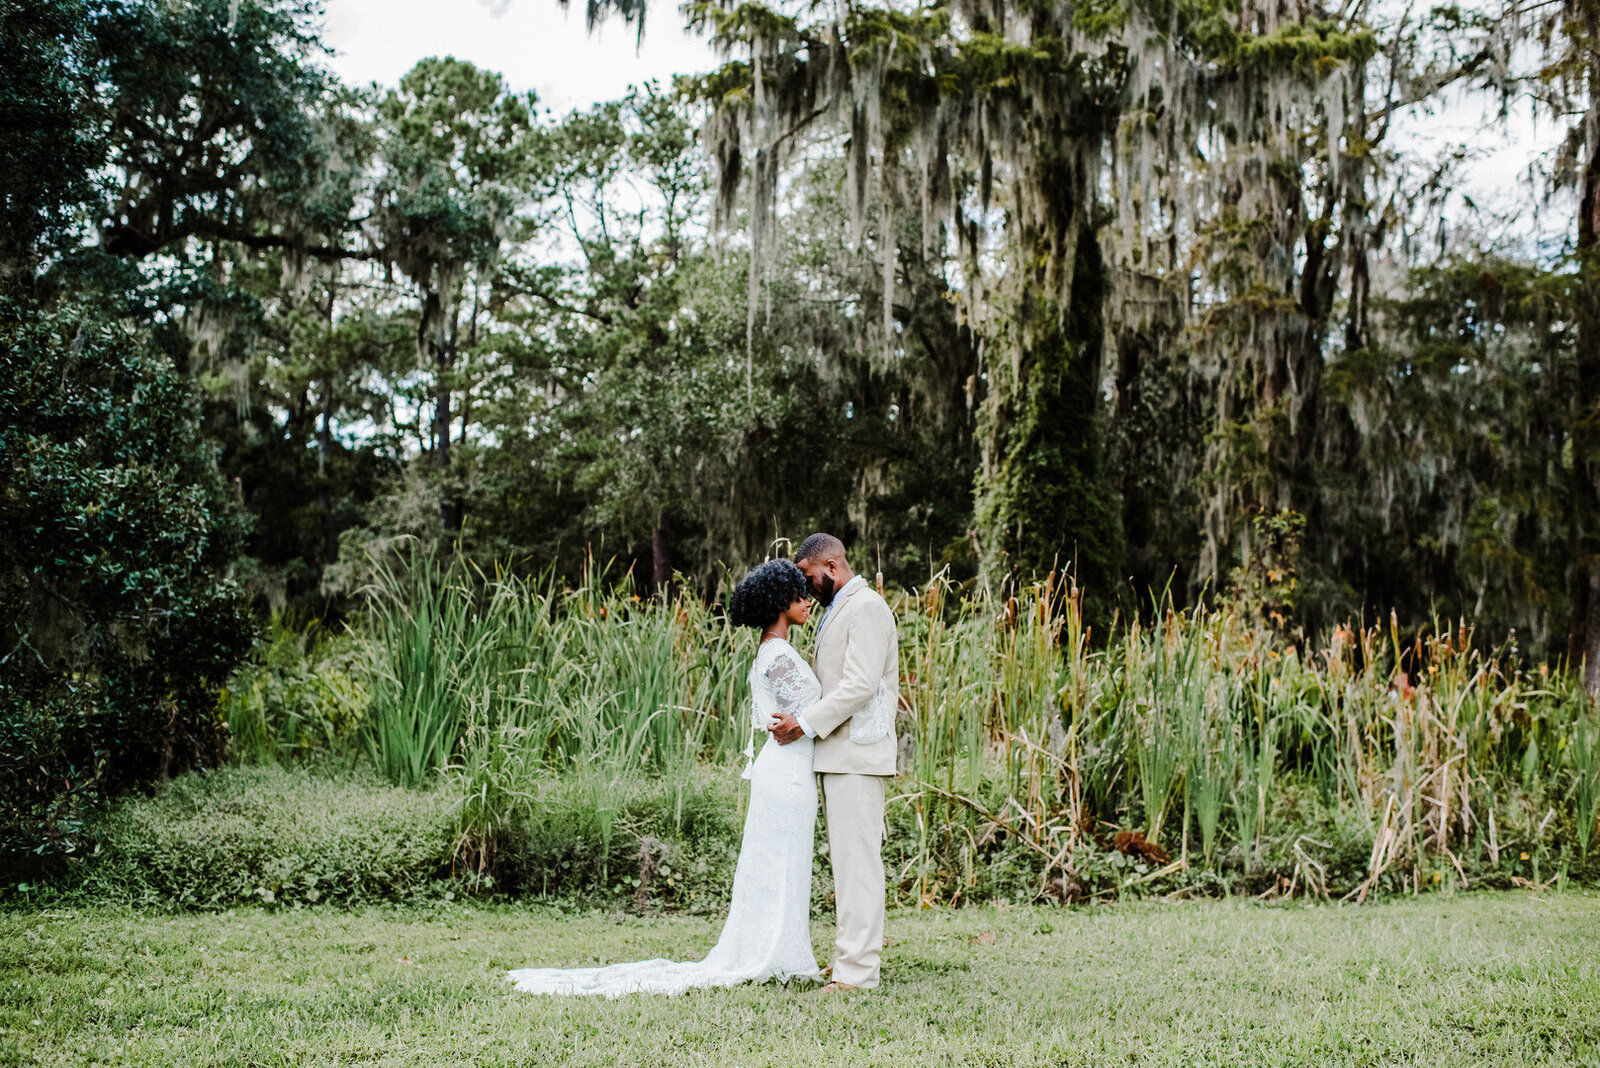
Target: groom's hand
{"x": 786, "y": 729}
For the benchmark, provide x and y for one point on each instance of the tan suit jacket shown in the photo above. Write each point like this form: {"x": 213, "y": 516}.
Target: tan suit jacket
{"x": 857, "y": 647}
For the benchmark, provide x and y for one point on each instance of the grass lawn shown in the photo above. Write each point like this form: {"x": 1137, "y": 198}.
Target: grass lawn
{"x": 1482, "y": 979}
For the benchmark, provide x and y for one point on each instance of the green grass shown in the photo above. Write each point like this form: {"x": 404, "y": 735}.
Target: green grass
{"x": 1482, "y": 979}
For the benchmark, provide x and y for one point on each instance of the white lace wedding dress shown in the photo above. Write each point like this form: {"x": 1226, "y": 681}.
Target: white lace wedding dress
{"x": 767, "y": 934}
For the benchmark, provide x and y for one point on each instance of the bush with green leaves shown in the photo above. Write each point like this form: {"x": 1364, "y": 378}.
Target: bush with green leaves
{"x": 302, "y": 693}
{"x": 652, "y": 839}
{"x": 324, "y": 832}
{"x": 118, "y": 624}
{"x": 273, "y": 835}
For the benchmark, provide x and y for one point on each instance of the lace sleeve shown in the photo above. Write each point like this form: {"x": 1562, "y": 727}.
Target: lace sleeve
{"x": 789, "y": 685}
{"x": 760, "y": 705}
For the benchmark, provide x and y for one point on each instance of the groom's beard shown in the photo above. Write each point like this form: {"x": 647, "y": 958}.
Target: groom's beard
{"x": 823, "y": 589}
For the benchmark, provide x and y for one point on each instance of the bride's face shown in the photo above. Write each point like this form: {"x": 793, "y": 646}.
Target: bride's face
{"x": 798, "y": 612}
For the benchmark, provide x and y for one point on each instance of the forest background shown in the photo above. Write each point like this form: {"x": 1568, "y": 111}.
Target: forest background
{"x": 1146, "y": 295}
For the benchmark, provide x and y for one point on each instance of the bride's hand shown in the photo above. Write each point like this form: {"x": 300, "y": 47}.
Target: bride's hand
{"x": 785, "y": 729}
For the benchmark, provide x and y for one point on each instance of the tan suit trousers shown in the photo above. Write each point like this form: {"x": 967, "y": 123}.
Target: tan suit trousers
{"x": 854, "y": 805}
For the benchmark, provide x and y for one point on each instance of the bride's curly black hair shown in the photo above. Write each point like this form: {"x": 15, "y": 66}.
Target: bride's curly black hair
{"x": 765, "y": 592}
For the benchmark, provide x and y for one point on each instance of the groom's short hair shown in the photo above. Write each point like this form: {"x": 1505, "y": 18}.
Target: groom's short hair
{"x": 819, "y": 545}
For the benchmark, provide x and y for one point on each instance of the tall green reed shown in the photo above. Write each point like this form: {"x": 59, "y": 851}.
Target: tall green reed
{"x": 1208, "y": 712}
{"x": 1027, "y": 737}
{"x": 1584, "y": 759}
{"x": 499, "y": 681}
{"x": 428, "y": 643}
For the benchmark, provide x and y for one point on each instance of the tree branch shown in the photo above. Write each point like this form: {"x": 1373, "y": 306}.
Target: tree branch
{"x": 128, "y": 240}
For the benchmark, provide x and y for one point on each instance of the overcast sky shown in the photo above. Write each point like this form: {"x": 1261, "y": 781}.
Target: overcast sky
{"x": 534, "y": 43}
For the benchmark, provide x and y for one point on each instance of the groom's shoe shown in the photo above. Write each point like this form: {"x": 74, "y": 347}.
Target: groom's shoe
{"x": 839, "y": 988}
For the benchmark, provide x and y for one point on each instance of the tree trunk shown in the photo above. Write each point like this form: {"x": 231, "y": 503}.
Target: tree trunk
{"x": 330, "y": 528}
{"x": 1591, "y": 656}
{"x": 661, "y": 556}
{"x": 442, "y": 447}
{"x": 1044, "y": 498}
{"x": 440, "y": 345}
{"x": 1583, "y": 639}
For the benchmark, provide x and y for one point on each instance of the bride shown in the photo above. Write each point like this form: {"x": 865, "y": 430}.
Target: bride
{"x": 767, "y": 934}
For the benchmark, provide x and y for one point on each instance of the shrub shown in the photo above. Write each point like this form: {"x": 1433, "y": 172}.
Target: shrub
{"x": 278, "y": 835}
{"x": 117, "y": 625}
{"x": 300, "y": 695}
{"x": 273, "y": 835}
{"x": 51, "y": 766}
{"x": 681, "y": 841}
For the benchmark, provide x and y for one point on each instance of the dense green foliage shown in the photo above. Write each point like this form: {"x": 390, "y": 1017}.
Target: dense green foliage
{"x": 118, "y": 529}
{"x": 47, "y": 153}
{"x": 114, "y": 525}
{"x": 269, "y": 835}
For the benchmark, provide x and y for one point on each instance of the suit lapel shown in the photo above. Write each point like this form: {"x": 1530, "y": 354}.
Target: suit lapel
{"x": 834, "y": 610}
{"x": 829, "y": 634}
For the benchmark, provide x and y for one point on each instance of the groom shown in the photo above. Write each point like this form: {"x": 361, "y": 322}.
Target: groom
{"x": 857, "y": 647}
